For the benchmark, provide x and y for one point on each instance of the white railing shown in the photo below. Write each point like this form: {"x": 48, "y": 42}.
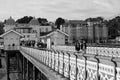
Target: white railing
{"x": 102, "y": 51}
{"x": 74, "y": 66}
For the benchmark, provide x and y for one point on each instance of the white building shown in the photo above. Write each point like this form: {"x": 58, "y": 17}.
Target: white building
{"x": 31, "y": 31}
{"x": 56, "y": 37}
{"x": 27, "y": 32}
{"x": 11, "y": 40}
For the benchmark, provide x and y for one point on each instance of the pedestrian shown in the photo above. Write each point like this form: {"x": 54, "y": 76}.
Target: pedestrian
{"x": 77, "y": 45}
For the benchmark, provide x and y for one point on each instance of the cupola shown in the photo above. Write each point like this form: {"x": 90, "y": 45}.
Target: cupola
{"x": 34, "y": 21}
{"x": 10, "y": 21}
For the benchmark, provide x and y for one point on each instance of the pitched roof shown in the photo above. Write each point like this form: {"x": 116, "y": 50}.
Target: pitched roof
{"x": 45, "y": 33}
{"x": 9, "y": 32}
{"x": 62, "y": 32}
{"x": 76, "y": 22}
{"x": 51, "y": 33}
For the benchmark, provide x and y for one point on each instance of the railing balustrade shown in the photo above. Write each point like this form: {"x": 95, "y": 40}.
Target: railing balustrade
{"x": 77, "y": 66}
{"x": 93, "y": 50}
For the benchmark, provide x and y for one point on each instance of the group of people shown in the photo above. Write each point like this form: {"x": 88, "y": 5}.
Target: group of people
{"x": 80, "y": 45}
{"x": 41, "y": 45}
{"x": 32, "y": 43}
{"x": 28, "y": 43}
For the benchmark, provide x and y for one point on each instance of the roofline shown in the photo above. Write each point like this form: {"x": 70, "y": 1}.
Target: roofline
{"x": 62, "y": 32}
{"x": 53, "y": 32}
{"x": 9, "y": 32}
{"x": 47, "y": 35}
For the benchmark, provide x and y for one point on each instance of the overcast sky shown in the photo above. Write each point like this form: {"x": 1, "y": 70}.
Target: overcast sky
{"x": 52, "y": 9}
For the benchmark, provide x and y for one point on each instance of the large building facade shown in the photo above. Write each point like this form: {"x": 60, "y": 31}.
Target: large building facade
{"x": 31, "y": 31}
{"x": 97, "y": 32}
{"x": 76, "y": 29}
{"x": 90, "y": 31}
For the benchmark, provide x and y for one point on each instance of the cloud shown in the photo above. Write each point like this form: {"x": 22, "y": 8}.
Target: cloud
{"x": 51, "y": 9}
{"x": 103, "y": 3}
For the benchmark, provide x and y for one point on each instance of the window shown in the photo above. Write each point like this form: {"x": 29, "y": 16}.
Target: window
{"x": 46, "y": 29}
{"x": 40, "y": 29}
{"x": 34, "y": 31}
{"x": 28, "y": 36}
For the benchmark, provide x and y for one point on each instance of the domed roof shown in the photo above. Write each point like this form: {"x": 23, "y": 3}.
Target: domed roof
{"x": 10, "y": 21}
{"x": 34, "y": 22}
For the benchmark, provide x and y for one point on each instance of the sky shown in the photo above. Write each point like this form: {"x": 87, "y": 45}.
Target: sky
{"x": 52, "y": 9}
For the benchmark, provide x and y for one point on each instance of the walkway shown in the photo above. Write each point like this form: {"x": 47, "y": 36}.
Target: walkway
{"x": 98, "y": 62}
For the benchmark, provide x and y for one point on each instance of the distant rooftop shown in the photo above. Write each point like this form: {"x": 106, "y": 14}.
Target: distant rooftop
{"x": 76, "y": 21}
{"x": 45, "y": 33}
{"x": 10, "y": 21}
{"x": 34, "y": 21}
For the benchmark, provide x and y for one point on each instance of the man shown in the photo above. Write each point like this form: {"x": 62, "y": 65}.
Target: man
{"x": 77, "y": 45}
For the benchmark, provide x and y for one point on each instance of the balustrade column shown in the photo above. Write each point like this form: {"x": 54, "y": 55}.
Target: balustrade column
{"x": 115, "y": 72}
{"x": 54, "y": 60}
{"x": 72, "y": 67}
{"x": 63, "y": 64}
{"x": 27, "y": 76}
{"x": 37, "y": 76}
{"x": 30, "y": 68}
{"x": 23, "y": 69}
{"x": 58, "y": 62}
{"x": 51, "y": 59}
{"x": 69, "y": 66}
{"x": 76, "y": 67}
{"x": 34, "y": 72}
{"x": 98, "y": 76}
{"x": 40, "y": 76}
{"x": 7, "y": 65}
{"x": 66, "y": 66}
{"x": 85, "y": 66}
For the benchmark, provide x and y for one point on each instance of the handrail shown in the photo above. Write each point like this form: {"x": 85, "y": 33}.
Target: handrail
{"x": 74, "y": 65}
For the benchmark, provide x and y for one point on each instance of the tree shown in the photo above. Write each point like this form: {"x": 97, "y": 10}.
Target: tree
{"x": 24, "y": 19}
{"x": 59, "y": 21}
{"x": 43, "y": 21}
{"x": 1, "y": 28}
{"x": 114, "y": 27}
{"x": 95, "y": 19}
